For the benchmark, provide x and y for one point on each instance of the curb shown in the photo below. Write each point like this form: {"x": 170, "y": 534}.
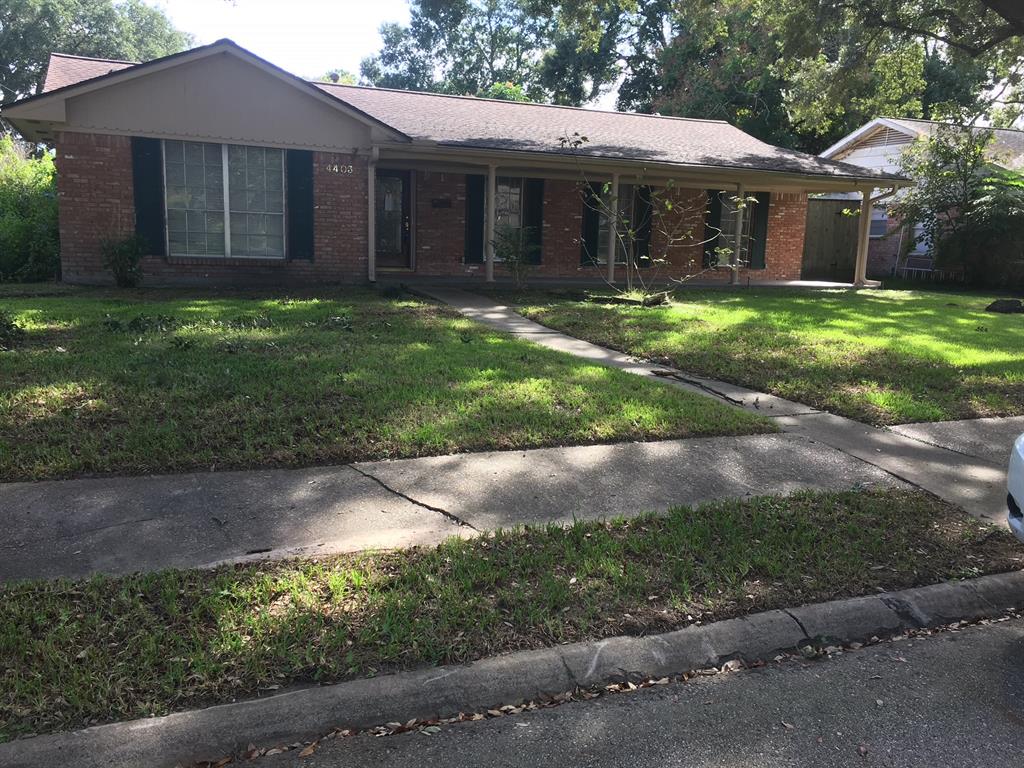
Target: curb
{"x": 308, "y": 713}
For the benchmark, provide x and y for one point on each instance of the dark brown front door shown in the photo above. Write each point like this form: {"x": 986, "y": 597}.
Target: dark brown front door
{"x": 392, "y": 219}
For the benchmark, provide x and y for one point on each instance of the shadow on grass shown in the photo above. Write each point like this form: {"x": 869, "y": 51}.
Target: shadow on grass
{"x": 326, "y": 381}
{"x": 881, "y": 358}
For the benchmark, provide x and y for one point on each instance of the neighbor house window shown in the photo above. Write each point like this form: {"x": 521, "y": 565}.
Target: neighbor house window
{"x": 879, "y": 223}
{"x": 224, "y": 200}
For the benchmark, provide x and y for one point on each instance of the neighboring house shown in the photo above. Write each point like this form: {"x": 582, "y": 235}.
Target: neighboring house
{"x": 877, "y": 145}
{"x": 236, "y": 172}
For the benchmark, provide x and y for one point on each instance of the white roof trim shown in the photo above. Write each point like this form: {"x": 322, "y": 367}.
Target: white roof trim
{"x": 865, "y": 130}
{"x": 196, "y": 54}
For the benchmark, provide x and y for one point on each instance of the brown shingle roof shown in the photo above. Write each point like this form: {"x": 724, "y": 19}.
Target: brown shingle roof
{"x": 64, "y": 69}
{"x": 465, "y": 121}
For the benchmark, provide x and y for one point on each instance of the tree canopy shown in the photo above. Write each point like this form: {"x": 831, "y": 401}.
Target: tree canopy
{"x": 32, "y": 29}
{"x": 793, "y": 72}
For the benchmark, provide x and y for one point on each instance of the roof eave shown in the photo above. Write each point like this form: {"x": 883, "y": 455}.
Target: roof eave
{"x": 595, "y": 163}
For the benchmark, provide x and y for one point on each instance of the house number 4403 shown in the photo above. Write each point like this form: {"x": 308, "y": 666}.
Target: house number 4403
{"x": 335, "y": 168}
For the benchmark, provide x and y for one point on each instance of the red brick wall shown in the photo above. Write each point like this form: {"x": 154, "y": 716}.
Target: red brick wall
{"x": 884, "y": 252}
{"x": 784, "y": 250}
{"x": 440, "y": 232}
{"x": 95, "y": 190}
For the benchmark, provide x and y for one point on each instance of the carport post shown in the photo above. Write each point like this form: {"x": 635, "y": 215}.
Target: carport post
{"x": 613, "y": 226}
{"x": 860, "y": 270}
{"x": 492, "y": 191}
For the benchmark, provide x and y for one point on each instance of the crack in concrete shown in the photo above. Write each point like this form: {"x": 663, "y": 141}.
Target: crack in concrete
{"x": 78, "y": 534}
{"x": 921, "y": 440}
{"x": 568, "y": 670}
{"x": 798, "y": 622}
{"x": 667, "y": 374}
{"x": 451, "y": 517}
{"x": 905, "y": 610}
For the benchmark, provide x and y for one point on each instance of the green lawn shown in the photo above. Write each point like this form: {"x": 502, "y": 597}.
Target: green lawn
{"x": 145, "y": 381}
{"x": 884, "y": 357}
{"x": 115, "y": 648}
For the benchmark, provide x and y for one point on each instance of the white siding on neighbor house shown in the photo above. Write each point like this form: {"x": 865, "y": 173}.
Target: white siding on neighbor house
{"x": 218, "y": 98}
{"x": 879, "y": 151}
{"x": 883, "y": 158}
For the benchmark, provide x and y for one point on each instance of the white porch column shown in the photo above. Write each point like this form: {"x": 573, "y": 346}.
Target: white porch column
{"x": 613, "y": 226}
{"x": 860, "y": 270}
{"x": 371, "y": 216}
{"x": 492, "y": 192}
{"x": 737, "y": 248}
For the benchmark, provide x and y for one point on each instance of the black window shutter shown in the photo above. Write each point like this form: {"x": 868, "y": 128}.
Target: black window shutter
{"x": 533, "y": 216}
{"x": 299, "y": 203}
{"x": 474, "y": 247}
{"x": 759, "y": 230}
{"x": 148, "y": 191}
{"x": 591, "y": 225}
{"x": 643, "y": 212}
{"x": 712, "y": 227}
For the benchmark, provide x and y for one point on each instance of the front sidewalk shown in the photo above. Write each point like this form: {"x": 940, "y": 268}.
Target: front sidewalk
{"x": 73, "y": 528}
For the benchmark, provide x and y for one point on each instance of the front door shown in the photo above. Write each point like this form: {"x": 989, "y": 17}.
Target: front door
{"x": 392, "y": 219}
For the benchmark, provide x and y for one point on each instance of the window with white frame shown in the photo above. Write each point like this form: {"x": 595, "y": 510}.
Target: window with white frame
{"x": 224, "y": 200}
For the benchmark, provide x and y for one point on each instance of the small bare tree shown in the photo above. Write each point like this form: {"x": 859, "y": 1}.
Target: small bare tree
{"x": 672, "y": 219}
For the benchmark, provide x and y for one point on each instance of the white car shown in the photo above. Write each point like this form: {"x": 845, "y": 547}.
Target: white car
{"x": 1015, "y": 488}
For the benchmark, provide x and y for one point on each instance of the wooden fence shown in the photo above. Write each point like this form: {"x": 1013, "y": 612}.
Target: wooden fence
{"x": 830, "y": 245}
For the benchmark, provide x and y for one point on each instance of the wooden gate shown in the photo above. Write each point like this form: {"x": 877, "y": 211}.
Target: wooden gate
{"x": 830, "y": 245}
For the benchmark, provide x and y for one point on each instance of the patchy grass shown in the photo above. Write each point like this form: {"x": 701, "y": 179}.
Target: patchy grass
{"x": 884, "y": 357}
{"x": 111, "y": 648}
{"x": 133, "y": 382}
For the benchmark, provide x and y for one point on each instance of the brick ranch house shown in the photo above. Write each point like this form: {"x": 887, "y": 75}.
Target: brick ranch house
{"x": 235, "y": 172}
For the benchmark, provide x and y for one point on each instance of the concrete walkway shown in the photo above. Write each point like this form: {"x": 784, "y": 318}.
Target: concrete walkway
{"x": 74, "y": 528}
{"x": 959, "y": 462}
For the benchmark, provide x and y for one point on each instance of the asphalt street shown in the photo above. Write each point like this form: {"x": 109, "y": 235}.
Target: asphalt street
{"x": 955, "y": 698}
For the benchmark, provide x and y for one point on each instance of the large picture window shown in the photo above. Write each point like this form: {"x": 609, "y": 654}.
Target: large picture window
{"x": 224, "y": 200}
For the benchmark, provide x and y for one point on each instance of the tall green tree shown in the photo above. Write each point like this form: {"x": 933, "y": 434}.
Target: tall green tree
{"x": 461, "y": 47}
{"x": 971, "y": 210}
{"x": 472, "y": 46}
{"x": 32, "y": 29}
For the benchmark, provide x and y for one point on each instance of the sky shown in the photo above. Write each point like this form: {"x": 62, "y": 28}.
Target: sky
{"x": 305, "y": 37}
